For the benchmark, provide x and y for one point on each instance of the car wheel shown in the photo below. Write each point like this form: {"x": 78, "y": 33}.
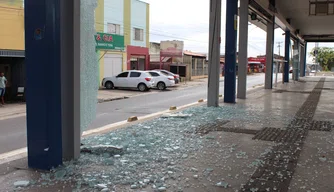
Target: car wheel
{"x": 161, "y": 86}
{"x": 109, "y": 85}
{"x": 142, "y": 87}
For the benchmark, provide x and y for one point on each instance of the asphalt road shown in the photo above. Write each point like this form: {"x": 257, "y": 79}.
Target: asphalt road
{"x": 13, "y": 131}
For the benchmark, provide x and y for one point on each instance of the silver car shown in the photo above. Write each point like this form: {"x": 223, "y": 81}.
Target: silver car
{"x": 168, "y": 73}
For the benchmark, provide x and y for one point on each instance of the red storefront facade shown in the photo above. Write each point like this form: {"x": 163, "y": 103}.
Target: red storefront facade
{"x": 137, "y": 54}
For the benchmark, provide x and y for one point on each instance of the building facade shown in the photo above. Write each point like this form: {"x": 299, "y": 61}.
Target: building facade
{"x": 128, "y": 18}
{"x": 198, "y": 68}
{"x": 12, "y": 45}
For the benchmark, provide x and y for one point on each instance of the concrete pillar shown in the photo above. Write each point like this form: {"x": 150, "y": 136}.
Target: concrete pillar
{"x": 305, "y": 59}
{"x": 230, "y": 50}
{"x": 296, "y": 60}
{"x": 302, "y": 61}
{"x": 243, "y": 52}
{"x": 70, "y": 78}
{"x": 287, "y": 56}
{"x": 214, "y": 53}
{"x": 269, "y": 55}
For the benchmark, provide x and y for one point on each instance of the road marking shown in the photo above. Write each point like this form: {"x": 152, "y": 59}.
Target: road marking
{"x": 13, "y": 155}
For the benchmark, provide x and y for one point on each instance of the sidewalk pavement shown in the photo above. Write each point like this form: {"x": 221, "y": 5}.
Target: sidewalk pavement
{"x": 275, "y": 140}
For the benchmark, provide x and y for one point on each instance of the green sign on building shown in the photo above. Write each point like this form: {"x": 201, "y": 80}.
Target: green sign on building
{"x": 107, "y": 41}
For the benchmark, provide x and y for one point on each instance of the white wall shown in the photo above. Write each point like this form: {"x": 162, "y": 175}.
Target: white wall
{"x": 138, "y": 20}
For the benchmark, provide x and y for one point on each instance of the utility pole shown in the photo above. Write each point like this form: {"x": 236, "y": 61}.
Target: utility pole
{"x": 277, "y": 64}
{"x": 316, "y": 57}
{"x": 279, "y": 47}
{"x": 316, "y": 53}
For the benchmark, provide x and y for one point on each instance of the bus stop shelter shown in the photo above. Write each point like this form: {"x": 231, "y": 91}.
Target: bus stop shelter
{"x": 53, "y": 40}
{"x": 302, "y": 21}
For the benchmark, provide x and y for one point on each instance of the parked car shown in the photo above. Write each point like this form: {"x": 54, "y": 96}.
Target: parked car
{"x": 168, "y": 73}
{"x": 141, "y": 80}
{"x": 162, "y": 81}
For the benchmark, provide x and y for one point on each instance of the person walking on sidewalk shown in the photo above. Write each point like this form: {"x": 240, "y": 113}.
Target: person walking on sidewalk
{"x": 3, "y": 83}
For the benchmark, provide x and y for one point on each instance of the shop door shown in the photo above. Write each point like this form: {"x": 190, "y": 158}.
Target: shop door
{"x": 112, "y": 64}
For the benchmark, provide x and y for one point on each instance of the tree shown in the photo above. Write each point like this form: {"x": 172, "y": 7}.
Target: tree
{"x": 325, "y": 57}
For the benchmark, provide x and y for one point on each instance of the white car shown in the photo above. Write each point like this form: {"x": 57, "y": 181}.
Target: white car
{"x": 132, "y": 79}
{"x": 162, "y": 81}
{"x": 168, "y": 73}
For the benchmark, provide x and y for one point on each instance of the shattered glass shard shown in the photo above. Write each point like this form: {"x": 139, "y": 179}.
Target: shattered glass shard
{"x": 101, "y": 186}
{"x": 21, "y": 183}
{"x": 60, "y": 174}
{"x": 222, "y": 184}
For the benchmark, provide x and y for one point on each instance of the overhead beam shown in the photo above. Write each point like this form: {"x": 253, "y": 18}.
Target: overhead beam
{"x": 280, "y": 20}
{"x": 319, "y": 38}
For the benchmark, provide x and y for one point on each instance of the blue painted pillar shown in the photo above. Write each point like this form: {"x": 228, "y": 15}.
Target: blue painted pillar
{"x": 230, "y": 51}
{"x": 287, "y": 56}
{"x": 43, "y": 91}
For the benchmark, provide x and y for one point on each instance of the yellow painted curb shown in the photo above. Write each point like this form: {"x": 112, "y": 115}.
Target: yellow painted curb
{"x": 173, "y": 108}
{"x": 201, "y": 100}
{"x": 132, "y": 119}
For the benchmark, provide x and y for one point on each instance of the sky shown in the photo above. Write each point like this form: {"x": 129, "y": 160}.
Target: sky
{"x": 188, "y": 20}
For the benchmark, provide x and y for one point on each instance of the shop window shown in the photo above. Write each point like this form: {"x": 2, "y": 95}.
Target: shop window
{"x": 139, "y": 34}
{"x": 114, "y": 28}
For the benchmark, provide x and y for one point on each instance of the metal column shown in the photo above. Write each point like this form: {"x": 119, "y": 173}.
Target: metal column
{"x": 269, "y": 55}
{"x": 230, "y": 50}
{"x": 287, "y": 56}
{"x": 52, "y": 43}
{"x": 243, "y": 52}
{"x": 214, "y": 53}
{"x": 302, "y": 61}
{"x": 43, "y": 92}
